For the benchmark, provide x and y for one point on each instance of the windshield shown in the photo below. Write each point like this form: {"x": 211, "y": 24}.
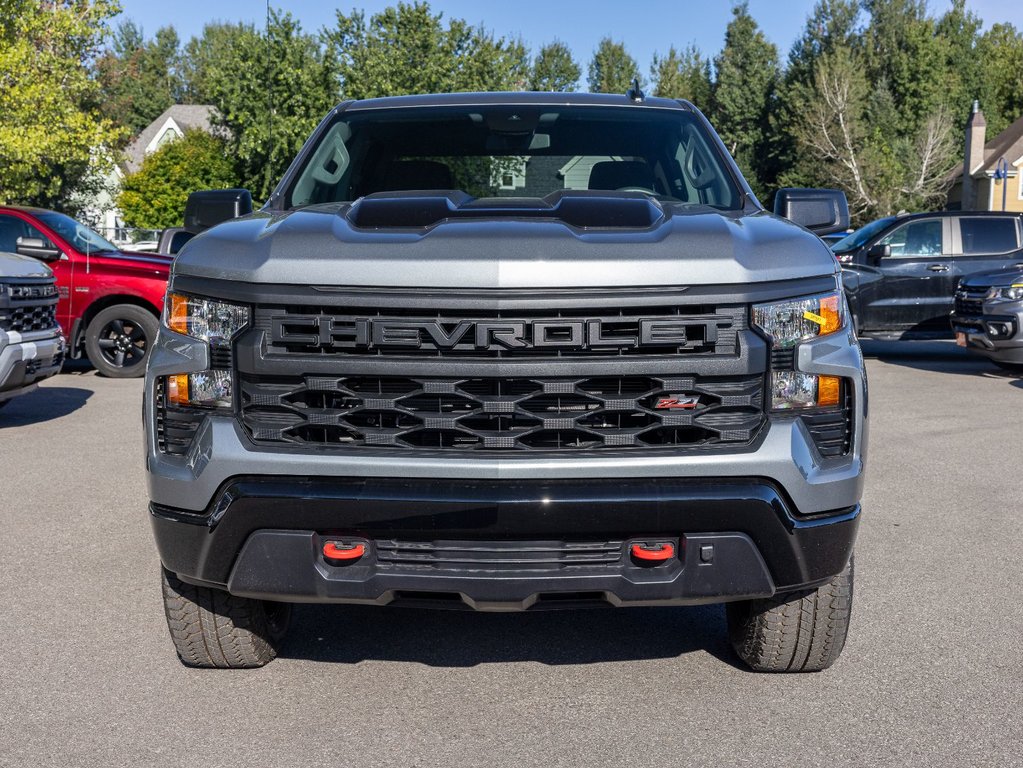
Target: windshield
{"x": 860, "y": 236}
{"x": 516, "y": 151}
{"x": 77, "y": 235}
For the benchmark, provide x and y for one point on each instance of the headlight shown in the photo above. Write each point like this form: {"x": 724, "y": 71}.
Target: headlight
{"x": 1012, "y": 293}
{"x": 215, "y": 322}
{"x": 790, "y": 322}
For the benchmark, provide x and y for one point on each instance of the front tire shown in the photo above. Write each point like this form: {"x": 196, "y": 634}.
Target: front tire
{"x": 213, "y": 629}
{"x": 118, "y": 340}
{"x": 794, "y": 632}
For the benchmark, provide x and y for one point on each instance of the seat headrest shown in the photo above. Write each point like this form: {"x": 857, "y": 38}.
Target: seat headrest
{"x": 406, "y": 175}
{"x": 615, "y": 174}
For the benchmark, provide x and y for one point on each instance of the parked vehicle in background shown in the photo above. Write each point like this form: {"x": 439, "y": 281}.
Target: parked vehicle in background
{"x": 607, "y": 376}
{"x": 31, "y": 343}
{"x": 901, "y": 272}
{"x": 109, "y": 300}
{"x": 988, "y": 316}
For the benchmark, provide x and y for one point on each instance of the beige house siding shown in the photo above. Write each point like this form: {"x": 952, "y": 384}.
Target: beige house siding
{"x": 990, "y": 197}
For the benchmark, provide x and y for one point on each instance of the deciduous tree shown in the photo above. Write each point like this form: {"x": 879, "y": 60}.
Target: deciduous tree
{"x": 51, "y": 129}
{"x": 154, "y": 197}
{"x": 554, "y": 69}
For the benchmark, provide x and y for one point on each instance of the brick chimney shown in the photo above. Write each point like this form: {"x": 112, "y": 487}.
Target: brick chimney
{"x": 976, "y": 132}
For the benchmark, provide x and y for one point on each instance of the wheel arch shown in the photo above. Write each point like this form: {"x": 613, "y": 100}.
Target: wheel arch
{"x": 113, "y": 300}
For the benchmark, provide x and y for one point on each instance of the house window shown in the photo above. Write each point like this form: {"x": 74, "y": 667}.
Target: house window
{"x": 507, "y": 181}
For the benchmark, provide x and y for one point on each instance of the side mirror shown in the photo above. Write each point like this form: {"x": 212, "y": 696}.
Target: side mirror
{"x": 37, "y": 248}
{"x": 822, "y": 211}
{"x": 876, "y": 252}
{"x": 211, "y": 207}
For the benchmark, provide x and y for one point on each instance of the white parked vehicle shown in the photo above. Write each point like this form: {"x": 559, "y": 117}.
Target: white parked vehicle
{"x": 31, "y": 343}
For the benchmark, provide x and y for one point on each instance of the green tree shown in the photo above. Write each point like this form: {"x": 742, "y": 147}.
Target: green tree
{"x": 1000, "y": 56}
{"x": 51, "y": 131}
{"x": 270, "y": 89}
{"x": 406, "y": 49}
{"x": 554, "y": 69}
{"x": 745, "y": 95}
{"x": 684, "y": 75}
{"x": 612, "y": 69}
{"x": 154, "y": 197}
{"x": 139, "y": 79}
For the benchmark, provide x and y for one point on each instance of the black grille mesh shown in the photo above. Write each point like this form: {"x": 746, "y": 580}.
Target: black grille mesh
{"x": 970, "y": 301}
{"x": 502, "y": 414}
{"x": 26, "y": 319}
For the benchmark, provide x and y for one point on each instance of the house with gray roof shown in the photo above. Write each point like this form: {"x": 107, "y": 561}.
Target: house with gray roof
{"x": 102, "y": 211}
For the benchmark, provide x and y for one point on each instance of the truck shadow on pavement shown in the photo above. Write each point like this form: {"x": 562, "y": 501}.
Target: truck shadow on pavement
{"x": 44, "y": 404}
{"x": 444, "y": 638}
{"x": 938, "y": 356}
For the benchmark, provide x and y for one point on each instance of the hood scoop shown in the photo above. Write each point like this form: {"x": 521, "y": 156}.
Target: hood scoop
{"x": 578, "y": 208}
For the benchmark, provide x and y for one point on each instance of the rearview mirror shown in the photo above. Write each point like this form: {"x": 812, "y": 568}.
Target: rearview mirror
{"x": 211, "y": 207}
{"x": 37, "y": 248}
{"x": 876, "y": 252}
{"x": 822, "y": 211}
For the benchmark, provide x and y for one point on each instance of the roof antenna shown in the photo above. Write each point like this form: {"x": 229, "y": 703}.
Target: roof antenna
{"x": 635, "y": 93}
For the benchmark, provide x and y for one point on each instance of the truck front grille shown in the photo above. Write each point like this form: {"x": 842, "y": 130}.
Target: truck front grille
{"x": 970, "y": 301}
{"x": 394, "y": 554}
{"x": 28, "y": 305}
{"x": 519, "y": 414}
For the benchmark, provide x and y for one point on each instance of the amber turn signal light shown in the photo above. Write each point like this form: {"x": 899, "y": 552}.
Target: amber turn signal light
{"x": 829, "y": 389}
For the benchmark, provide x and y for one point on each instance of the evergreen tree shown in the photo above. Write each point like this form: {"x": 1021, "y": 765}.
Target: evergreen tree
{"x": 612, "y": 69}
{"x": 745, "y": 93}
{"x": 684, "y": 75}
{"x": 554, "y": 69}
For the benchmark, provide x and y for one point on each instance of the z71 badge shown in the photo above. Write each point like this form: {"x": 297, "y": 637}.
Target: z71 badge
{"x": 683, "y": 402}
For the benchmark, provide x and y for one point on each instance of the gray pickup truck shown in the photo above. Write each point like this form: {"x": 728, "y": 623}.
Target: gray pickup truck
{"x": 31, "y": 342}
{"x": 509, "y": 352}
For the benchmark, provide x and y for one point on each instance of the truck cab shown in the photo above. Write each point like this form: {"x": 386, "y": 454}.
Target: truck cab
{"x": 109, "y": 300}
{"x": 901, "y": 272}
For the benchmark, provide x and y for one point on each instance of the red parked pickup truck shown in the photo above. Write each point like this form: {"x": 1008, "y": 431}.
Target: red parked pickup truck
{"x": 110, "y": 300}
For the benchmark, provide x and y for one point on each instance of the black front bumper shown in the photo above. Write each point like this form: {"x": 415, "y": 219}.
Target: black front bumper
{"x": 504, "y": 545}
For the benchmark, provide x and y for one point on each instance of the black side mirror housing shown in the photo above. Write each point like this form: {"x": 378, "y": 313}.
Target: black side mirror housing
{"x": 37, "y": 248}
{"x": 172, "y": 239}
{"x": 822, "y": 211}
{"x": 211, "y": 207}
{"x": 876, "y": 252}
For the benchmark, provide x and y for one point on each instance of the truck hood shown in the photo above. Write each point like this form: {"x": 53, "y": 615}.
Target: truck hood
{"x": 13, "y": 265}
{"x": 1001, "y": 278}
{"x": 320, "y": 246}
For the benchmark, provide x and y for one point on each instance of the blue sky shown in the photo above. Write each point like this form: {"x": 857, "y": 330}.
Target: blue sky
{"x": 645, "y": 26}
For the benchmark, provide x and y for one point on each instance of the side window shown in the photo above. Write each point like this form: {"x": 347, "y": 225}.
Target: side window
{"x": 916, "y": 238}
{"x": 11, "y": 228}
{"x": 988, "y": 234}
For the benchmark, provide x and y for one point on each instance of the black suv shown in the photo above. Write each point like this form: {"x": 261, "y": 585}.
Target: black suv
{"x": 901, "y": 272}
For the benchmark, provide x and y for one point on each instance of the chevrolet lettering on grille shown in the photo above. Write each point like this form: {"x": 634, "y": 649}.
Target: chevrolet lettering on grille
{"x": 326, "y": 332}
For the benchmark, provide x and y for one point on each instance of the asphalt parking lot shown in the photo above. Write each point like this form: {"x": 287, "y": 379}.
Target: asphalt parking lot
{"x": 932, "y": 673}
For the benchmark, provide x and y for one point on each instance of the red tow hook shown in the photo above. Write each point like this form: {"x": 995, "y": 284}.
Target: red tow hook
{"x": 343, "y": 551}
{"x": 653, "y": 551}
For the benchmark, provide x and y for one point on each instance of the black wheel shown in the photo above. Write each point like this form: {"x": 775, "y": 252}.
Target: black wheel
{"x": 118, "y": 340}
{"x": 211, "y": 628}
{"x": 794, "y": 632}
